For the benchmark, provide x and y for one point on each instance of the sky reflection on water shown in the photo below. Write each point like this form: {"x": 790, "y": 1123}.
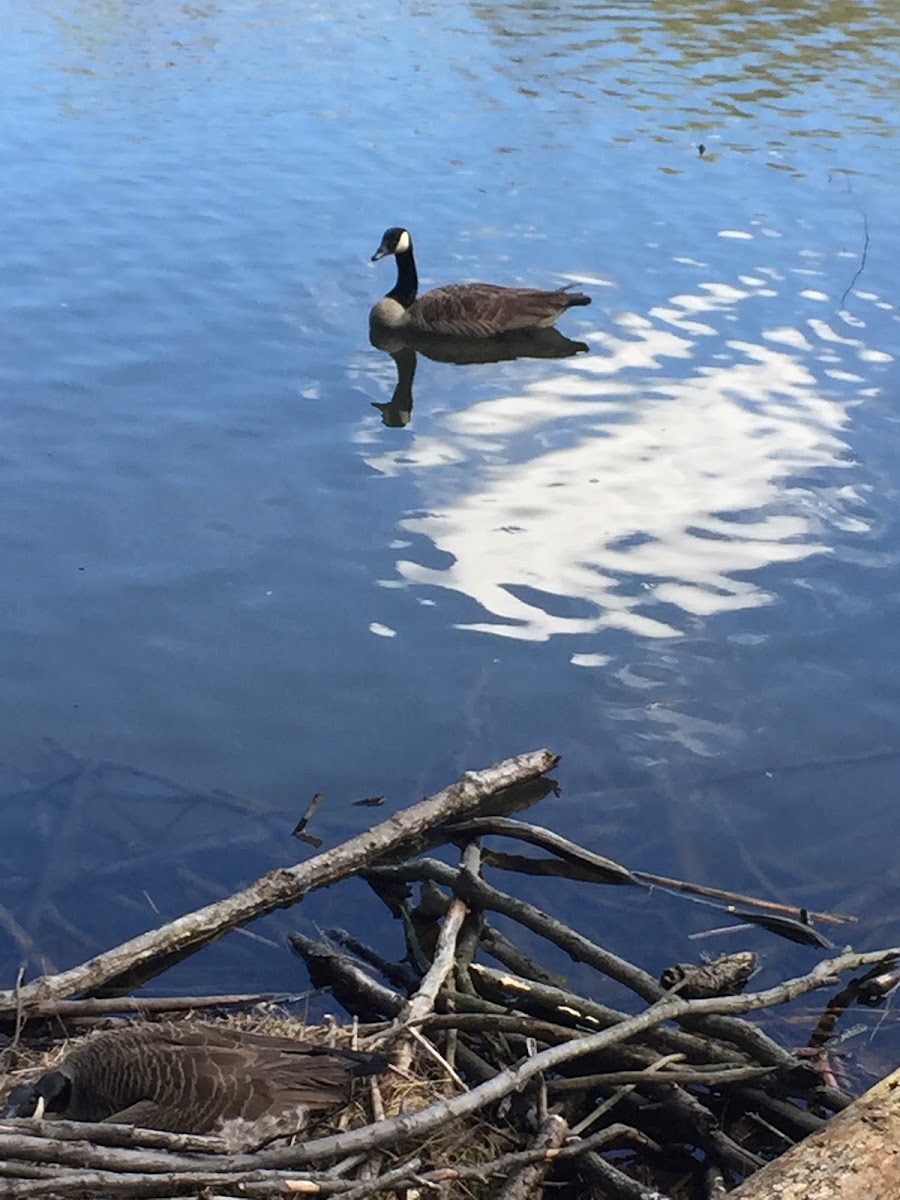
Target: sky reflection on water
{"x": 654, "y": 474}
{"x": 674, "y": 558}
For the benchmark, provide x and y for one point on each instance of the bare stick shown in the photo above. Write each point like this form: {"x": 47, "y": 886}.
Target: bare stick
{"x": 79, "y": 1154}
{"x": 602, "y": 868}
{"x": 582, "y": 949}
{"x": 384, "y": 1182}
{"x": 698, "y": 889}
{"x": 250, "y": 1182}
{"x": 104, "y": 1006}
{"x": 434, "y": 1053}
{"x": 108, "y": 1134}
{"x": 285, "y": 885}
{"x": 541, "y": 998}
{"x": 614, "y": 1079}
{"x": 91, "y": 1182}
{"x": 605, "y": 870}
{"x": 476, "y": 891}
{"x": 528, "y": 1181}
{"x": 410, "y": 1125}
{"x": 422, "y": 1003}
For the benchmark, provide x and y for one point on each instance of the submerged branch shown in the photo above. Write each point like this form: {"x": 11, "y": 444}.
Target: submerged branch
{"x": 283, "y": 886}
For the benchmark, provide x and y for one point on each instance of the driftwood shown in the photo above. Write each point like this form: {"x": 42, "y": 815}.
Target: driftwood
{"x": 688, "y": 1093}
{"x": 281, "y": 887}
{"x": 856, "y": 1156}
{"x": 574, "y": 862}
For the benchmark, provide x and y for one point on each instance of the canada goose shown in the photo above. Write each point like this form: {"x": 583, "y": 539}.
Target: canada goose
{"x": 474, "y": 310}
{"x": 194, "y": 1078}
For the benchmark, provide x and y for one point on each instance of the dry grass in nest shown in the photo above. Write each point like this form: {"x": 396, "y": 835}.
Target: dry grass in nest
{"x": 472, "y": 1142}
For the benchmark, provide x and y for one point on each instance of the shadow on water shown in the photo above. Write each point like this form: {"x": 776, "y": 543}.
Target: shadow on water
{"x": 405, "y": 348}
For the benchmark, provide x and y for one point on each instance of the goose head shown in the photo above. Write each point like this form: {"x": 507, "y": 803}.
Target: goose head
{"x": 51, "y": 1093}
{"x": 396, "y": 240}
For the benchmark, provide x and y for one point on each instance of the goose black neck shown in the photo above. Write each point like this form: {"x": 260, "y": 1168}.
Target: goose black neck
{"x": 407, "y": 285}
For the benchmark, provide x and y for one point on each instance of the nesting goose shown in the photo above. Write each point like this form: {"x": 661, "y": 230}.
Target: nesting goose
{"x": 473, "y": 310}
{"x": 194, "y": 1078}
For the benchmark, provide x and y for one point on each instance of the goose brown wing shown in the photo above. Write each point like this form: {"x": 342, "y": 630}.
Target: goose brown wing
{"x": 485, "y": 309}
{"x": 145, "y": 1113}
{"x": 226, "y": 1083}
{"x": 191, "y": 1078}
{"x": 303, "y": 1057}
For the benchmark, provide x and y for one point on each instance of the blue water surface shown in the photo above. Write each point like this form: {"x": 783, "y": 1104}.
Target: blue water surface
{"x": 672, "y": 559}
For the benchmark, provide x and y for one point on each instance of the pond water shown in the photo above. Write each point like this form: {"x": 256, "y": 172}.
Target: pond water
{"x": 673, "y": 559}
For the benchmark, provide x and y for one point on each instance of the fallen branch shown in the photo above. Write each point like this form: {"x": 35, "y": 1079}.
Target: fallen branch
{"x": 476, "y": 891}
{"x": 113, "y": 1005}
{"x": 408, "y": 1125}
{"x": 283, "y": 886}
{"x": 582, "y": 949}
{"x": 423, "y": 1001}
{"x": 853, "y": 1157}
{"x": 603, "y": 869}
{"x": 528, "y": 1180}
{"x": 106, "y": 1134}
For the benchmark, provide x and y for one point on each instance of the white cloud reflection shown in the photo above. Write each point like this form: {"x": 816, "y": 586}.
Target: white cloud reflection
{"x": 642, "y": 485}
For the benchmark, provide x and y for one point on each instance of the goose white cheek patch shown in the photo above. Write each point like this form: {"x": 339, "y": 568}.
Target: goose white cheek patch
{"x": 402, "y": 243}
{"x": 38, "y": 1109}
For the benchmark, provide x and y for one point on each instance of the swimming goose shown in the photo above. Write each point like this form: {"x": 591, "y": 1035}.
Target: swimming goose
{"x": 194, "y": 1078}
{"x": 473, "y": 310}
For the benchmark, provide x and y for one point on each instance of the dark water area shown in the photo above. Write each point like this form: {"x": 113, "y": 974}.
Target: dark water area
{"x": 229, "y": 580}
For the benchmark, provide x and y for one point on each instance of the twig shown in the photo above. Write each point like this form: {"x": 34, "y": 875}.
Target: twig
{"x": 528, "y": 1180}
{"x": 503, "y": 1022}
{"x": 582, "y": 949}
{"x": 80, "y": 1183}
{"x": 616, "y": 1184}
{"x": 422, "y": 1002}
{"x": 476, "y": 891}
{"x": 45, "y": 1133}
{"x": 408, "y": 1125}
{"x": 582, "y": 1012}
{"x": 434, "y": 1053}
{"x": 701, "y": 1126}
{"x": 77, "y": 1153}
{"x": 619, "y": 1093}
{"x": 509, "y": 955}
{"x": 603, "y": 869}
{"x": 698, "y": 889}
{"x": 802, "y": 1120}
{"x": 285, "y": 885}
{"x": 105, "y": 1006}
{"x": 398, "y": 973}
{"x": 865, "y": 250}
{"x": 424, "y": 999}
{"x": 385, "y": 1182}
{"x": 614, "y": 1079}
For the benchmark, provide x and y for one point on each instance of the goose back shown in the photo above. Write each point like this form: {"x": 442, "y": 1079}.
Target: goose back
{"x": 479, "y": 310}
{"x": 194, "y": 1079}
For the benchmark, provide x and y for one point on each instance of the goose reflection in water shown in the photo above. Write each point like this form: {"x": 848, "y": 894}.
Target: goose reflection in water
{"x": 405, "y": 347}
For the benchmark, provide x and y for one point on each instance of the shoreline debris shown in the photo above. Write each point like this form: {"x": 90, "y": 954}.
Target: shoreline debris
{"x": 502, "y": 1079}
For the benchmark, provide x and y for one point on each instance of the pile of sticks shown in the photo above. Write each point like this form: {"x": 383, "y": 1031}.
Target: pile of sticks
{"x": 673, "y": 1094}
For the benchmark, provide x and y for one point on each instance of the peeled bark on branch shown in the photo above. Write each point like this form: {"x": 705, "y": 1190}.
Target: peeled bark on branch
{"x": 528, "y": 1182}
